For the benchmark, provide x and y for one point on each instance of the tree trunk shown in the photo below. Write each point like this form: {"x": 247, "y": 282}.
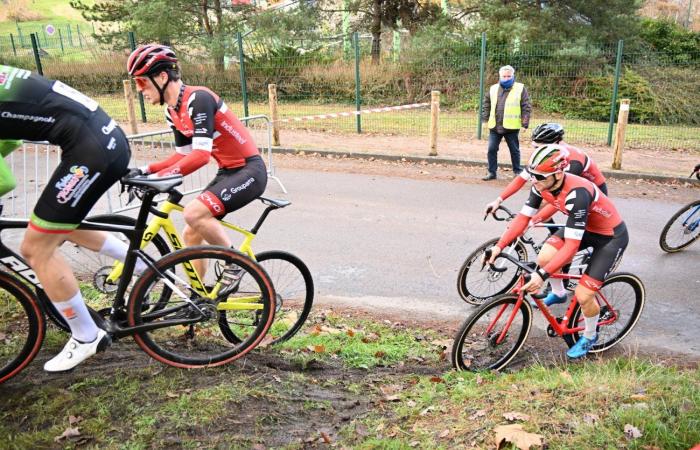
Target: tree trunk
{"x": 376, "y": 30}
{"x": 218, "y": 46}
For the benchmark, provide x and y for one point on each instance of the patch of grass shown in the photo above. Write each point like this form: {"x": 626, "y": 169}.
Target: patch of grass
{"x": 363, "y": 345}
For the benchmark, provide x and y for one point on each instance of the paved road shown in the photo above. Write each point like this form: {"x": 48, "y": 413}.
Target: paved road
{"x": 396, "y": 244}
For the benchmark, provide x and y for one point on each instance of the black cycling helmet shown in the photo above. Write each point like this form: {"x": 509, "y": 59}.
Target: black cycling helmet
{"x": 548, "y": 133}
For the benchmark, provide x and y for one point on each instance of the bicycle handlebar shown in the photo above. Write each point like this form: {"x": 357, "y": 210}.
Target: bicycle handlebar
{"x": 509, "y": 214}
{"x": 527, "y": 268}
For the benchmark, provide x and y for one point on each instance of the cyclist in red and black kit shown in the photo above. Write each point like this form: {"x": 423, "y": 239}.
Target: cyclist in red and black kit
{"x": 204, "y": 127}
{"x": 578, "y": 163}
{"x": 94, "y": 155}
{"x": 593, "y": 221}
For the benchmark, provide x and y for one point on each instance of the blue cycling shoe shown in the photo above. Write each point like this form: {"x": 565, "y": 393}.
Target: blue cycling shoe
{"x": 582, "y": 347}
{"x": 554, "y": 299}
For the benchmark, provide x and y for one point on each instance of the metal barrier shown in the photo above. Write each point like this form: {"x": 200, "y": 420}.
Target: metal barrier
{"x": 34, "y": 163}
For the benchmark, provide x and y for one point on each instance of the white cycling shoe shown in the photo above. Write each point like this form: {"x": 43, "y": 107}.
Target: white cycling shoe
{"x": 76, "y": 352}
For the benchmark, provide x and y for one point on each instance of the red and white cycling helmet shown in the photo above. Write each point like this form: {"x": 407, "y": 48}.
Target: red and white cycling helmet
{"x": 548, "y": 159}
{"x": 151, "y": 59}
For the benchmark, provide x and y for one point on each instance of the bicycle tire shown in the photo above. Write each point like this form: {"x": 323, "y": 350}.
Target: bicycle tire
{"x": 97, "y": 266}
{"x": 608, "y": 336}
{"x": 472, "y": 348}
{"x": 202, "y": 345}
{"x": 476, "y": 286}
{"x": 20, "y": 337}
{"x": 692, "y": 235}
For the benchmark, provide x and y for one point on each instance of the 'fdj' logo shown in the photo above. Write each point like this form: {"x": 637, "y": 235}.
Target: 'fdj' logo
{"x": 68, "y": 184}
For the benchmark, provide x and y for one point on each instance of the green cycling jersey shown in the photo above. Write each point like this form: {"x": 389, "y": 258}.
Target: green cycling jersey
{"x": 7, "y": 180}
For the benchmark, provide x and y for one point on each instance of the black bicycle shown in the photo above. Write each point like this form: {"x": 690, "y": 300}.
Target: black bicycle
{"x": 683, "y": 228}
{"x": 176, "y": 316}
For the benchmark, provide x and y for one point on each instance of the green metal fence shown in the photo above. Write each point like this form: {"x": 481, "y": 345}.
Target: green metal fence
{"x": 579, "y": 87}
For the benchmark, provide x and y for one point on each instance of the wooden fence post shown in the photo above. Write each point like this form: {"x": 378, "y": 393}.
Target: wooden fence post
{"x": 434, "y": 116}
{"x": 619, "y": 143}
{"x": 272, "y": 97}
{"x": 130, "y": 111}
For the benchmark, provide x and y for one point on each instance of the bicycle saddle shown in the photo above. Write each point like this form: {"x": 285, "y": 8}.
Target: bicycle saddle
{"x": 160, "y": 184}
{"x": 275, "y": 203}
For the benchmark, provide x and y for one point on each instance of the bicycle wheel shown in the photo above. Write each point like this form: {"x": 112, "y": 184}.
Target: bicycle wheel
{"x": 22, "y": 326}
{"x": 476, "y": 285}
{"x": 294, "y": 288}
{"x": 625, "y": 293}
{"x": 682, "y": 229}
{"x": 191, "y": 321}
{"x": 480, "y": 345}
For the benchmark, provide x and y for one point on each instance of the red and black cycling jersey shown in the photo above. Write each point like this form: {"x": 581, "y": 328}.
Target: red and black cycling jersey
{"x": 587, "y": 209}
{"x": 204, "y": 126}
{"x": 579, "y": 164}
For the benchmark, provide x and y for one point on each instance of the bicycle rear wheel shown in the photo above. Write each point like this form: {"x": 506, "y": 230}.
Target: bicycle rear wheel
{"x": 476, "y": 285}
{"x": 199, "y": 341}
{"x": 294, "y": 288}
{"x": 682, "y": 229}
{"x": 22, "y": 326}
{"x": 481, "y": 343}
{"x": 625, "y": 293}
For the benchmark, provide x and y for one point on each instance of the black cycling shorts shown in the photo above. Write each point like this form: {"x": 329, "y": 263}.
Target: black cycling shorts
{"x": 94, "y": 156}
{"x": 232, "y": 189}
{"x": 607, "y": 253}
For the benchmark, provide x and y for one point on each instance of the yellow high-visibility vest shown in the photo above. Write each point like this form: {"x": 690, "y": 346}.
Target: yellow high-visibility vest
{"x": 511, "y": 111}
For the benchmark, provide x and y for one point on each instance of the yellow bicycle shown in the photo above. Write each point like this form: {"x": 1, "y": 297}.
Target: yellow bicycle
{"x": 290, "y": 277}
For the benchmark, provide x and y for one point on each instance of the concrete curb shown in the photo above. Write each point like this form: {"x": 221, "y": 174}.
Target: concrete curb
{"x": 613, "y": 174}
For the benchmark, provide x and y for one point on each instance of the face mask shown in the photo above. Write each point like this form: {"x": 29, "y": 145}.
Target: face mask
{"x": 506, "y": 84}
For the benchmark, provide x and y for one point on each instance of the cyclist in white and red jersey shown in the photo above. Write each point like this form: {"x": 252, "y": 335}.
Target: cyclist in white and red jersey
{"x": 204, "y": 127}
{"x": 578, "y": 163}
{"x": 593, "y": 221}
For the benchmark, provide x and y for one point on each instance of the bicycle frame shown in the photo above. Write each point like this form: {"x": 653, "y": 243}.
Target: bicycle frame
{"x": 559, "y": 327}
{"x": 162, "y": 220}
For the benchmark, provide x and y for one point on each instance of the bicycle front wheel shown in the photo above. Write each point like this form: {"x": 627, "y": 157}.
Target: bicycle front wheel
{"x": 22, "y": 327}
{"x": 476, "y": 285}
{"x": 190, "y": 320}
{"x": 625, "y": 293}
{"x": 682, "y": 229}
{"x": 491, "y": 337}
{"x": 294, "y": 288}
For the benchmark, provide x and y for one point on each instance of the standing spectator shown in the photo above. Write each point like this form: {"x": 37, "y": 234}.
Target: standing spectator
{"x": 507, "y": 109}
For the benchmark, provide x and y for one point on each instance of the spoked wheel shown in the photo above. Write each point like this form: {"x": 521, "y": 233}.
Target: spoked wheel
{"x": 22, "y": 327}
{"x": 194, "y": 321}
{"x": 491, "y": 337}
{"x": 475, "y": 285}
{"x": 682, "y": 229}
{"x": 625, "y": 297}
{"x": 294, "y": 287}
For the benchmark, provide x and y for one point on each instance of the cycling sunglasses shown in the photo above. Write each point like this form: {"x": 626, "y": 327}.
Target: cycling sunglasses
{"x": 539, "y": 177}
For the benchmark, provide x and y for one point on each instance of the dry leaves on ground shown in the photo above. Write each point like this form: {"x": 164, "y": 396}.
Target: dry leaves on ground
{"x": 517, "y": 436}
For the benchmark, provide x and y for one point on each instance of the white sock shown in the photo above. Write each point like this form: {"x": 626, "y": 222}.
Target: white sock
{"x": 591, "y": 324}
{"x": 78, "y": 317}
{"x": 557, "y": 286}
{"x": 117, "y": 249}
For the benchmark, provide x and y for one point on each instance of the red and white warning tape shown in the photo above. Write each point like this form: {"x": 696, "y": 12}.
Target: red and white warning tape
{"x": 353, "y": 113}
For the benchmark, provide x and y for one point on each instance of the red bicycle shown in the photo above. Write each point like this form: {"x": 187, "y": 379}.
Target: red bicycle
{"x": 491, "y": 337}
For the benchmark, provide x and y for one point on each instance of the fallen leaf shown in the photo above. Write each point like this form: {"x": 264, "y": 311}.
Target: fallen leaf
{"x": 426, "y": 410}
{"x": 591, "y": 418}
{"x": 68, "y": 433}
{"x": 392, "y": 398}
{"x": 479, "y": 413}
{"x": 388, "y": 389}
{"x": 327, "y": 439}
{"x": 413, "y": 444}
{"x": 380, "y": 354}
{"x": 319, "y": 349}
{"x": 72, "y": 420}
{"x": 350, "y": 332}
{"x": 437, "y": 380}
{"x": 479, "y": 380}
{"x": 445, "y": 343}
{"x": 513, "y": 416}
{"x": 171, "y": 395}
{"x": 380, "y": 427}
{"x": 444, "y": 433}
{"x": 567, "y": 376}
{"x": 638, "y": 397}
{"x": 410, "y": 403}
{"x": 632, "y": 432}
{"x": 515, "y": 434}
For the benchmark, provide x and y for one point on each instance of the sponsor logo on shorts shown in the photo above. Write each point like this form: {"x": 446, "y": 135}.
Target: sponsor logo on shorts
{"x": 225, "y": 196}
{"x": 73, "y": 185}
{"x": 592, "y": 284}
{"x": 212, "y": 202}
{"x": 112, "y": 144}
{"x": 199, "y": 119}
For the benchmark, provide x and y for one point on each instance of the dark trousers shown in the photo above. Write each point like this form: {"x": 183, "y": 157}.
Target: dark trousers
{"x": 513, "y": 145}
